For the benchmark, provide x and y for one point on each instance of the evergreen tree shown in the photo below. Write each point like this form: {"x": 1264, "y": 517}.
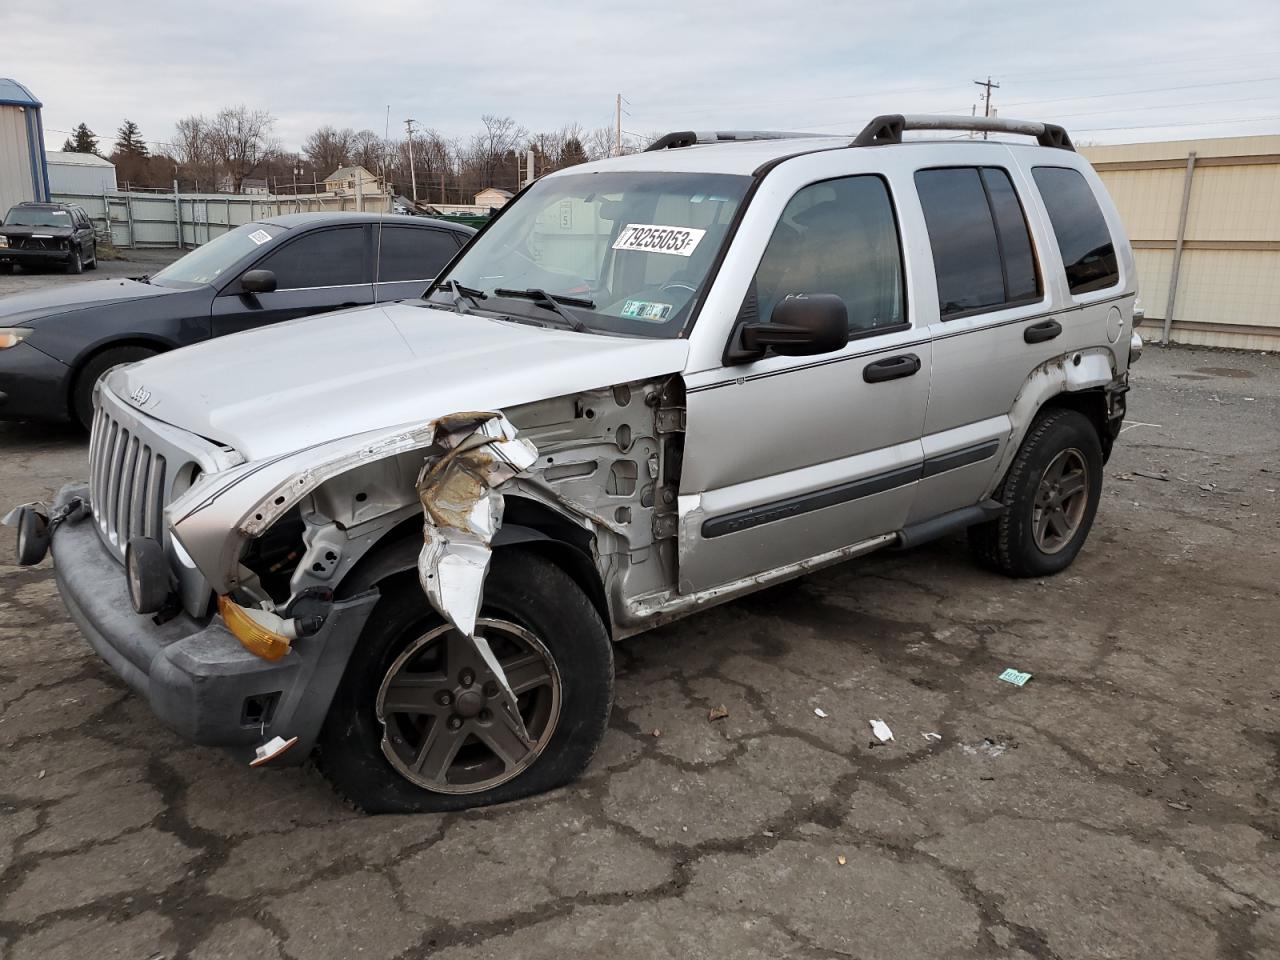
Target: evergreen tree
{"x": 129, "y": 140}
{"x": 82, "y": 140}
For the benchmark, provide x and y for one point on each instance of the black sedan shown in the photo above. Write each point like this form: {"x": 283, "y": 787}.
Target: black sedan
{"x": 56, "y": 343}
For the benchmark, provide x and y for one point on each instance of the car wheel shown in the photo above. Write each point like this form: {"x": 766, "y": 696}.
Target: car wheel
{"x": 82, "y": 393}
{"x": 6, "y": 268}
{"x": 1051, "y": 491}
{"x": 76, "y": 263}
{"x": 418, "y": 723}
{"x": 93, "y": 261}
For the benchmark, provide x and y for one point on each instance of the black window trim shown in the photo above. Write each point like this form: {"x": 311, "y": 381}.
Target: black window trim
{"x": 906, "y": 323}
{"x": 1075, "y": 297}
{"x": 1043, "y": 295}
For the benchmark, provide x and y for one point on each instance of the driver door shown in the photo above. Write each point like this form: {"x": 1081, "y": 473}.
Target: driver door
{"x": 325, "y": 269}
{"x": 788, "y": 458}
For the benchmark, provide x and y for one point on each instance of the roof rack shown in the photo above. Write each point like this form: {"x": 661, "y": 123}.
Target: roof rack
{"x": 889, "y": 127}
{"x": 687, "y": 138}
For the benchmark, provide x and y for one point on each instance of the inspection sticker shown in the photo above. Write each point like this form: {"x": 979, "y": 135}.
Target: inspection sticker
{"x": 1016, "y": 677}
{"x": 259, "y": 237}
{"x": 654, "y": 238}
{"x": 646, "y": 310}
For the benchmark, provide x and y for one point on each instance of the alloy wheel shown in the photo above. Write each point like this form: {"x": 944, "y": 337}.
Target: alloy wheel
{"x": 446, "y": 724}
{"x": 1062, "y": 498}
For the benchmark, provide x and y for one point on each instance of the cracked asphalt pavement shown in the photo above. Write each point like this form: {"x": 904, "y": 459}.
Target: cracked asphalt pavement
{"x": 1122, "y": 804}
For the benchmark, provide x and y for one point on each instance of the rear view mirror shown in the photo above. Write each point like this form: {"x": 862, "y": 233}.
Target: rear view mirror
{"x": 258, "y": 281}
{"x": 801, "y": 325}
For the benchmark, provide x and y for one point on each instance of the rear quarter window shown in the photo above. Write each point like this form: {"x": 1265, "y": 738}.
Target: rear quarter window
{"x": 1088, "y": 253}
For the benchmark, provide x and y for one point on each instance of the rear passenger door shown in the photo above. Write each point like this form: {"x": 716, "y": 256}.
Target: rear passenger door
{"x": 995, "y": 323}
{"x": 325, "y": 269}
{"x": 409, "y": 258}
{"x": 788, "y": 458}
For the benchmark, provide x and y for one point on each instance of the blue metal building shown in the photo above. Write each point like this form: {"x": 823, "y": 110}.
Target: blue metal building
{"x": 24, "y": 171}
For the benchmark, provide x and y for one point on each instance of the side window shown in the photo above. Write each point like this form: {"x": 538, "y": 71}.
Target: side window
{"x": 841, "y": 237}
{"x": 326, "y": 258}
{"x": 982, "y": 254}
{"x": 413, "y": 253}
{"x": 1087, "y": 250}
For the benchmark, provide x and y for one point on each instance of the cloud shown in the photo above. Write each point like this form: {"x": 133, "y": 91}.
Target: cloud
{"x": 826, "y": 65}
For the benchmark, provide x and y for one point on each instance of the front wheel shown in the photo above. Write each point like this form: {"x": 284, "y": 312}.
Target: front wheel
{"x": 419, "y": 722}
{"x": 1051, "y": 493}
{"x": 82, "y": 392}
{"x": 75, "y": 264}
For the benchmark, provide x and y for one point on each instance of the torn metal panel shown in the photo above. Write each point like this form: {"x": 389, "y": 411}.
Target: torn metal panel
{"x": 463, "y": 509}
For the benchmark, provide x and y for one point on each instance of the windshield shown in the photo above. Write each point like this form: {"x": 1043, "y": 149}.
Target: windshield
{"x": 207, "y": 263}
{"x": 626, "y": 252}
{"x": 37, "y": 217}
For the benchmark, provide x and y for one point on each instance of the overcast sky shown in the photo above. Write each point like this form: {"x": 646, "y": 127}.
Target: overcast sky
{"x": 1110, "y": 72}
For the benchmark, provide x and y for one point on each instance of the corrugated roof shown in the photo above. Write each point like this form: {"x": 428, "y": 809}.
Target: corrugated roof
{"x": 78, "y": 159}
{"x": 14, "y": 93}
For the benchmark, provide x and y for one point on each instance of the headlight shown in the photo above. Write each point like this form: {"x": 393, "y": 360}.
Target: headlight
{"x": 4, "y": 241}
{"x": 12, "y": 336}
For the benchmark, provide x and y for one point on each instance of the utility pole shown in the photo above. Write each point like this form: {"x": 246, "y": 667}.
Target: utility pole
{"x": 618, "y": 116}
{"x": 413, "y": 174}
{"x": 986, "y": 112}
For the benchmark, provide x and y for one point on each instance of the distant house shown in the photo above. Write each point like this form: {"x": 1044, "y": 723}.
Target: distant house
{"x": 80, "y": 173}
{"x": 249, "y": 185}
{"x": 492, "y": 197}
{"x": 347, "y": 181}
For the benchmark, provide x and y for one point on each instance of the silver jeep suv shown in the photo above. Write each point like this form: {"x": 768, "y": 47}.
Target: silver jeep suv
{"x": 403, "y": 537}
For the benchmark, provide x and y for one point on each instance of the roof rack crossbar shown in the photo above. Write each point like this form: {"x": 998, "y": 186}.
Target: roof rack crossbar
{"x": 687, "y": 138}
{"x": 889, "y": 127}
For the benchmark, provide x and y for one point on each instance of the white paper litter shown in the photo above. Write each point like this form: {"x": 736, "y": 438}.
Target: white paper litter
{"x": 881, "y": 730}
{"x": 819, "y": 712}
{"x": 932, "y": 736}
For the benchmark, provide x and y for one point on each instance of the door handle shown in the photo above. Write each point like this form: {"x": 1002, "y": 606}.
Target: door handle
{"x": 891, "y": 368}
{"x": 1040, "y": 332}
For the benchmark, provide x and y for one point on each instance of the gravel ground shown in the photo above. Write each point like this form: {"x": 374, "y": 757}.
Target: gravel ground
{"x": 131, "y": 263}
{"x": 1122, "y": 804}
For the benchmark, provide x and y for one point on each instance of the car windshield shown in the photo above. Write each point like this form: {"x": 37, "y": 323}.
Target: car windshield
{"x": 207, "y": 263}
{"x": 37, "y": 217}
{"x": 622, "y": 252}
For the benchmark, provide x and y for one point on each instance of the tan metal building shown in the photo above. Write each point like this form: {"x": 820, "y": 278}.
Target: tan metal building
{"x": 1208, "y": 213}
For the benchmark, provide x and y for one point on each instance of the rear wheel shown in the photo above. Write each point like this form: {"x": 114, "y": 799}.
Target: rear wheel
{"x": 1051, "y": 491}
{"x": 93, "y": 261}
{"x": 82, "y": 393}
{"x": 419, "y": 722}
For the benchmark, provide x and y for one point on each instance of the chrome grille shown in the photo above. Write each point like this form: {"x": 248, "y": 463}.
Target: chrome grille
{"x": 129, "y": 481}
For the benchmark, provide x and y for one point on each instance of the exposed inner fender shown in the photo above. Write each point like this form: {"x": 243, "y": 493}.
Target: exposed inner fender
{"x": 1069, "y": 373}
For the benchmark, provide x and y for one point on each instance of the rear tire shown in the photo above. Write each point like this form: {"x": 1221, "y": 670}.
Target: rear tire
{"x": 82, "y": 393}
{"x": 522, "y": 589}
{"x": 1051, "y": 491}
{"x": 93, "y": 262}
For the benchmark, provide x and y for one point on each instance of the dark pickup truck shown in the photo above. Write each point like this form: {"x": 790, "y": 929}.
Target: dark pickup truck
{"x": 47, "y": 234}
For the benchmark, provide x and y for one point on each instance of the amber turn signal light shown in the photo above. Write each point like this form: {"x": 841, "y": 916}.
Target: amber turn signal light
{"x": 252, "y": 634}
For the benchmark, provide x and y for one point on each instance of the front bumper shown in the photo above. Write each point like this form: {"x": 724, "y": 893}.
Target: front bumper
{"x": 195, "y": 674}
{"x": 33, "y": 385}
{"x": 22, "y": 255}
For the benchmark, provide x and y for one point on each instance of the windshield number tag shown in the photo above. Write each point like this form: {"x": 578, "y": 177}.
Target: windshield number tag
{"x": 654, "y": 238}
{"x": 646, "y": 310}
{"x": 259, "y": 237}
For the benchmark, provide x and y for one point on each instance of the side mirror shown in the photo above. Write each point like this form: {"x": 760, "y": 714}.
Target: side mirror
{"x": 801, "y": 325}
{"x": 258, "y": 281}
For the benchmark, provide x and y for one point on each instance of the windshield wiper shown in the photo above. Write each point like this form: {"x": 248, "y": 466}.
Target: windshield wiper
{"x": 461, "y": 293}
{"x": 145, "y": 278}
{"x": 553, "y": 301}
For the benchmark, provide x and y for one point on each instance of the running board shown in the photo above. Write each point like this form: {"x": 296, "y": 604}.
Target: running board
{"x": 948, "y": 523}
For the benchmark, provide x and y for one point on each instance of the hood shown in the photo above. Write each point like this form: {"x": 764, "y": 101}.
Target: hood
{"x": 22, "y": 230}
{"x": 292, "y": 385}
{"x": 24, "y": 308}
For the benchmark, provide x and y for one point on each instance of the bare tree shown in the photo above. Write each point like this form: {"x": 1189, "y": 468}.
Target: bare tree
{"x": 191, "y": 147}
{"x": 240, "y": 139}
{"x": 491, "y": 149}
{"x": 369, "y": 151}
{"x": 329, "y": 148}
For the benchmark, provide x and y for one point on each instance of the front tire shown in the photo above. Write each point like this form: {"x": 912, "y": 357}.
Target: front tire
{"x": 417, "y": 723}
{"x": 76, "y": 262}
{"x": 1051, "y": 491}
{"x": 82, "y": 393}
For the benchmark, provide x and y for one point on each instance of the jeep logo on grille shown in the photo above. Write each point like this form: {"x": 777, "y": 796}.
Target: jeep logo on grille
{"x": 140, "y": 396}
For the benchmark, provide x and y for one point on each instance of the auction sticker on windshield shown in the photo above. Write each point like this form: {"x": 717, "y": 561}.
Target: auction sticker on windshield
{"x": 259, "y": 237}
{"x": 655, "y": 238}
{"x": 646, "y": 310}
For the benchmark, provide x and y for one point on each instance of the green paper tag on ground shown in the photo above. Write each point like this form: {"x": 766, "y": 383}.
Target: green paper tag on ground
{"x": 1016, "y": 677}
